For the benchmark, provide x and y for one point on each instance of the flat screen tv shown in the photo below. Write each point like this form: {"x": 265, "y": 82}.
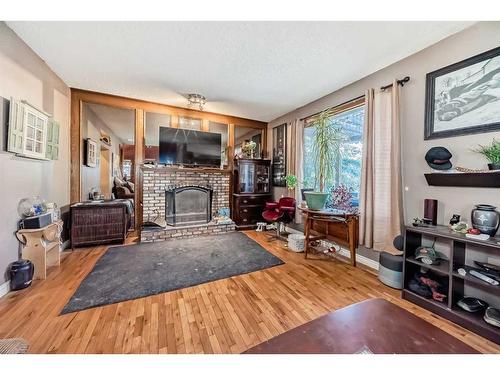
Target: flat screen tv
{"x": 189, "y": 147}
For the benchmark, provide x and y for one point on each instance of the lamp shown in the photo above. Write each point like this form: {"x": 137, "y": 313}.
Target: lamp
{"x": 196, "y": 100}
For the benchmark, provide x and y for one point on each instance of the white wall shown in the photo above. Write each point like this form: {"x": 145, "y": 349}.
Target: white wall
{"x": 23, "y": 75}
{"x": 477, "y": 39}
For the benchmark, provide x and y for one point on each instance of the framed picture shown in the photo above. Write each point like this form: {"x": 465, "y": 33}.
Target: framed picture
{"x": 90, "y": 153}
{"x": 464, "y": 98}
{"x": 279, "y": 155}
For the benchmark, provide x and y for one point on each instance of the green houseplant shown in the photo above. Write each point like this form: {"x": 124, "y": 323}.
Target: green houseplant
{"x": 327, "y": 139}
{"x": 492, "y": 153}
{"x": 291, "y": 182}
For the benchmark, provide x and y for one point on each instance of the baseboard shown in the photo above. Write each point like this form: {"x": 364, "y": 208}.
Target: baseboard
{"x": 347, "y": 254}
{"x": 4, "y": 288}
{"x": 360, "y": 259}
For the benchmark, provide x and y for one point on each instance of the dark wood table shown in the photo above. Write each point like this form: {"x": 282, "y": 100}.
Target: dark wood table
{"x": 339, "y": 226}
{"x": 374, "y": 325}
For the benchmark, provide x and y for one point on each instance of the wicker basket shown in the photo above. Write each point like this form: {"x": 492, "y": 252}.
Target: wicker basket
{"x": 296, "y": 242}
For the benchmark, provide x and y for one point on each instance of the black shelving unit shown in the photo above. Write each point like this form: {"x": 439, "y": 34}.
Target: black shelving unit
{"x": 279, "y": 155}
{"x": 447, "y": 269}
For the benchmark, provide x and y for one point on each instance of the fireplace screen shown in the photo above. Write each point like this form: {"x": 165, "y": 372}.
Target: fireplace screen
{"x": 188, "y": 205}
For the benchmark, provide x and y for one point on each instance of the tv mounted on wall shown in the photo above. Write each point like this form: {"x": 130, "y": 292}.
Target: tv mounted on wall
{"x": 189, "y": 147}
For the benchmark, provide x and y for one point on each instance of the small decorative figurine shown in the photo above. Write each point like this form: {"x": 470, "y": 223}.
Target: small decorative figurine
{"x": 455, "y": 219}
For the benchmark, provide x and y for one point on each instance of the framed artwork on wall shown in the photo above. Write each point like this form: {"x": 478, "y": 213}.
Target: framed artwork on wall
{"x": 90, "y": 153}
{"x": 464, "y": 98}
{"x": 279, "y": 155}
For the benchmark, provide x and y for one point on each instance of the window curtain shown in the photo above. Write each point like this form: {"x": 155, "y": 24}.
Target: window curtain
{"x": 381, "y": 209}
{"x": 296, "y": 161}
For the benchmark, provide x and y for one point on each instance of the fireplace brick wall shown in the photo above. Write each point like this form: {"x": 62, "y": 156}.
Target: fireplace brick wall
{"x": 158, "y": 178}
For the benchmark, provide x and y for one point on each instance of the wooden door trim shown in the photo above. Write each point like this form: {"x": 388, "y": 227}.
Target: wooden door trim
{"x": 75, "y": 149}
{"x": 124, "y": 102}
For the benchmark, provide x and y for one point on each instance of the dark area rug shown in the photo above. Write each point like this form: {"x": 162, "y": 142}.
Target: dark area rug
{"x": 129, "y": 272}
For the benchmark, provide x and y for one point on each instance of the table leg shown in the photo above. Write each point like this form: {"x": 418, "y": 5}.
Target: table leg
{"x": 306, "y": 234}
{"x": 352, "y": 240}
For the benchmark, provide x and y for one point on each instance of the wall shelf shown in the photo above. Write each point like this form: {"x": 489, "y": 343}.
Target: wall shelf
{"x": 442, "y": 268}
{"x": 447, "y": 273}
{"x": 486, "y": 179}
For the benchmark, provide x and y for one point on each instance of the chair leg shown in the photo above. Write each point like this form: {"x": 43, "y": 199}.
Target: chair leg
{"x": 273, "y": 237}
{"x": 277, "y": 235}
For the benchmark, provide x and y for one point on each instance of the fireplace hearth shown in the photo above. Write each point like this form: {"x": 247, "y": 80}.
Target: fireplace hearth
{"x": 158, "y": 179}
{"x": 188, "y": 205}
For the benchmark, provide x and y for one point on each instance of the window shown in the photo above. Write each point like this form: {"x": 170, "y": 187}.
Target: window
{"x": 348, "y": 162}
{"x": 31, "y": 132}
{"x": 127, "y": 169}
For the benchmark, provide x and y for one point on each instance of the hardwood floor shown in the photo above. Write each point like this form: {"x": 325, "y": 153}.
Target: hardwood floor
{"x": 224, "y": 316}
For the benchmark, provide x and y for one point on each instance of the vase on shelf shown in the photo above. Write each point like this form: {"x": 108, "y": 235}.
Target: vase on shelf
{"x": 485, "y": 218}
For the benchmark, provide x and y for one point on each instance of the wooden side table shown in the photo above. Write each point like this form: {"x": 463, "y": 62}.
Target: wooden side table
{"x": 336, "y": 225}
{"x": 42, "y": 247}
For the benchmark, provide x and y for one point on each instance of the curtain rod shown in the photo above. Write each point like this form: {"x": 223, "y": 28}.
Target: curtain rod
{"x": 338, "y": 105}
{"x": 399, "y": 81}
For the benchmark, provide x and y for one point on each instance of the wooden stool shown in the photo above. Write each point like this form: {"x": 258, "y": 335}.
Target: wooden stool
{"x": 42, "y": 247}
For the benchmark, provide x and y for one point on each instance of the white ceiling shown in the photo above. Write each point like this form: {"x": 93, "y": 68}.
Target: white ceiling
{"x": 258, "y": 70}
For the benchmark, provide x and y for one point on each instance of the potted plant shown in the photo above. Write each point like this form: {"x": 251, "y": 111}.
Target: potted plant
{"x": 248, "y": 149}
{"x": 327, "y": 139}
{"x": 342, "y": 199}
{"x": 492, "y": 153}
{"x": 291, "y": 181}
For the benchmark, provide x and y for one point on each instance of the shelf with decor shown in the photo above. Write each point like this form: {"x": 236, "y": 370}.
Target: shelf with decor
{"x": 477, "y": 179}
{"x": 442, "y": 268}
{"x": 469, "y": 278}
{"x": 463, "y": 252}
{"x": 251, "y": 191}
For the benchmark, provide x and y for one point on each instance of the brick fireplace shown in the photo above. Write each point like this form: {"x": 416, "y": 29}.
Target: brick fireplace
{"x": 158, "y": 180}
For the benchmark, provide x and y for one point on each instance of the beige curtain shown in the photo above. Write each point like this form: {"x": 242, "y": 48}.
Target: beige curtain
{"x": 381, "y": 209}
{"x": 297, "y": 131}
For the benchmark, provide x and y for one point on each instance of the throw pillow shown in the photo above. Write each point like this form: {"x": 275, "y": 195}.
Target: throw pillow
{"x": 118, "y": 182}
{"x": 130, "y": 186}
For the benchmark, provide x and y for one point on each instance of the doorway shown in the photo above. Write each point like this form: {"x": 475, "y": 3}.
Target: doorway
{"x": 106, "y": 172}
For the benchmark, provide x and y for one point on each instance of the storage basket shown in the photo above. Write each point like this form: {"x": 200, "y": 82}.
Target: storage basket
{"x": 296, "y": 242}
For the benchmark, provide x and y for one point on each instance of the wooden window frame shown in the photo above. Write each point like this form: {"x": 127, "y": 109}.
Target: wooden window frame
{"x": 344, "y": 107}
{"x": 337, "y": 110}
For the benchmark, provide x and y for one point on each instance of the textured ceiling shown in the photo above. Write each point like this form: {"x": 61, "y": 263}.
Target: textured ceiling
{"x": 258, "y": 70}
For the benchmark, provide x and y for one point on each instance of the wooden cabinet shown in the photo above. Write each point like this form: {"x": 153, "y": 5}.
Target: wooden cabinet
{"x": 460, "y": 252}
{"x": 98, "y": 223}
{"x": 42, "y": 247}
{"x": 251, "y": 191}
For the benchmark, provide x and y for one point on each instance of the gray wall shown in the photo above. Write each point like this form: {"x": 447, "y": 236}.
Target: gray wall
{"x": 24, "y": 75}
{"x": 479, "y": 38}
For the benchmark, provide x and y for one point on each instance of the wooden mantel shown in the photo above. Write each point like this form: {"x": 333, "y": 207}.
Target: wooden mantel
{"x": 151, "y": 167}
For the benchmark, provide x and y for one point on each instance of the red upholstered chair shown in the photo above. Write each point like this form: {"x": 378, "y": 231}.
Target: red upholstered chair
{"x": 281, "y": 212}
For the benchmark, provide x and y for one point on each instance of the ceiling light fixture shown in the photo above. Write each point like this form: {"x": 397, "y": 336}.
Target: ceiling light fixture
{"x": 196, "y": 100}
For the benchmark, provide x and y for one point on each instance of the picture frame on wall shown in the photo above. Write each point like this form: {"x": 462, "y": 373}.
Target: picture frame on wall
{"x": 90, "y": 153}
{"x": 279, "y": 155}
{"x": 464, "y": 98}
